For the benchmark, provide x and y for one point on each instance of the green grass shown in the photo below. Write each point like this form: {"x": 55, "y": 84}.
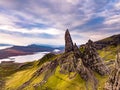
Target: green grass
{"x": 60, "y": 81}
{"x": 17, "y": 79}
{"x": 25, "y": 73}
{"x": 34, "y": 82}
{"x": 101, "y": 81}
{"x": 46, "y": 58}
{"x": 7, "y": 70}
{"x": 57, "y": 81}
{"x": 82, "y": 49}
{"x": 107, "y": 39}
{"x": 108, "y": 53}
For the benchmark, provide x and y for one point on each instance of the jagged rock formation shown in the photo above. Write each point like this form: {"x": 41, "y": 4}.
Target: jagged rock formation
{"x": 68, "y": 42}
{"x": 73, "y": 61}
{"x": 92, "y": 60}
{"x": 77, "y": 52}
{"x": 114, "y": 80}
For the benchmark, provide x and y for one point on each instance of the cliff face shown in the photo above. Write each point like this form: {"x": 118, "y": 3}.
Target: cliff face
{"x": 114, "y": 79}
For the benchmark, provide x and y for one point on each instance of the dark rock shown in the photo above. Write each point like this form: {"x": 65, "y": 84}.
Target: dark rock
{"x": 77, "y": 51}
{"x": 71, "y": 61}
{"x": 114, "y": 80}
{"x": 68, "y": 42}
{"x": 117, "y": 63}
{"x": 68, "y": 63}
{"x": 87, "y": 74}
{"x": 92, "y": 60}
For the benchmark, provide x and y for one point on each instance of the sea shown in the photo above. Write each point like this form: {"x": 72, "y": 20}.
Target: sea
{"x": 24, "y": 58}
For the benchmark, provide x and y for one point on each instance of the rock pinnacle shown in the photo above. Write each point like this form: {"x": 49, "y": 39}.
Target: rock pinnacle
{"x": 68, "y": 42}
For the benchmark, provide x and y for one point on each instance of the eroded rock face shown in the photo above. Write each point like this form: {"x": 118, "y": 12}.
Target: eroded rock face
{"x": 68, "y": 42}
{"x": 114, "y": 80}
{"x": 92, "y": 60}
{"x": 77, "y": 52}
{"x": 71, "y": 62}
{"x": 68, "y": 63}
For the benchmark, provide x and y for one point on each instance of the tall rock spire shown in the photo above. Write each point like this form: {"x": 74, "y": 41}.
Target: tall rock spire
{"x": 68, "y": 42}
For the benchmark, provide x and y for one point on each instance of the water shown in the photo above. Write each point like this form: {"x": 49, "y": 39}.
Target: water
{"x": 4, "y": 47}
{"x": 25, "y": 58}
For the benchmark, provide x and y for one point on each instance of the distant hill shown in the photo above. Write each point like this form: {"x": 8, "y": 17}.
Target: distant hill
{"x": 112, "y": 40}
{"x": 5, "y": 45}
{"x": 33, "y": 48}
{"x": 26, "y": 50}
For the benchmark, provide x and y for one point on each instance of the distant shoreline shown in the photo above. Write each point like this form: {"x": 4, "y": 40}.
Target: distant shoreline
{"x": 25, "y": 58}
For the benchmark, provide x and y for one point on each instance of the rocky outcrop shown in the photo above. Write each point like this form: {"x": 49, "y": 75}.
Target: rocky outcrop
{"x": 67, "y": 63}
{"x": 84, "y": 63}
{"x": 114, "y": 80}
{"x": 77, "y": 52}
{"x": 92, "y": 60}
{"x": 68, "y": 42}
{"x": 72, "y": 61}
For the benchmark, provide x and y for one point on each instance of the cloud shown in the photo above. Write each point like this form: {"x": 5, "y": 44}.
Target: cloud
{"x": 50, "y": 31}
{"x": 45, "y": 21}
{"x": 113, "y": 19}
{"x": 20, "y": 40}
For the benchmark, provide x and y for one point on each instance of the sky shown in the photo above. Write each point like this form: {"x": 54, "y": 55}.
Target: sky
{"x": 24, "y": 22}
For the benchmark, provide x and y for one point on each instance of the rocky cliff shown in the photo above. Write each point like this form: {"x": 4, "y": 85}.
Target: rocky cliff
{"x": 114, "y": 80}
{"x": 92, "y": 60}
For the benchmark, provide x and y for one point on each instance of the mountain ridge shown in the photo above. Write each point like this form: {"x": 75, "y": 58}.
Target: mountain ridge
{"x": 112, "y": 40}
{"x": 25, "y": 50}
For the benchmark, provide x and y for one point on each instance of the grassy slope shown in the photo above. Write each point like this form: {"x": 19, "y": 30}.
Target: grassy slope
{"x": 6, "y": 70}
{"x": 108, "y": 53}
{"x": 19, "y": 78}
{"x": 25, "y": 73}
{"x": 58, "y": 81}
